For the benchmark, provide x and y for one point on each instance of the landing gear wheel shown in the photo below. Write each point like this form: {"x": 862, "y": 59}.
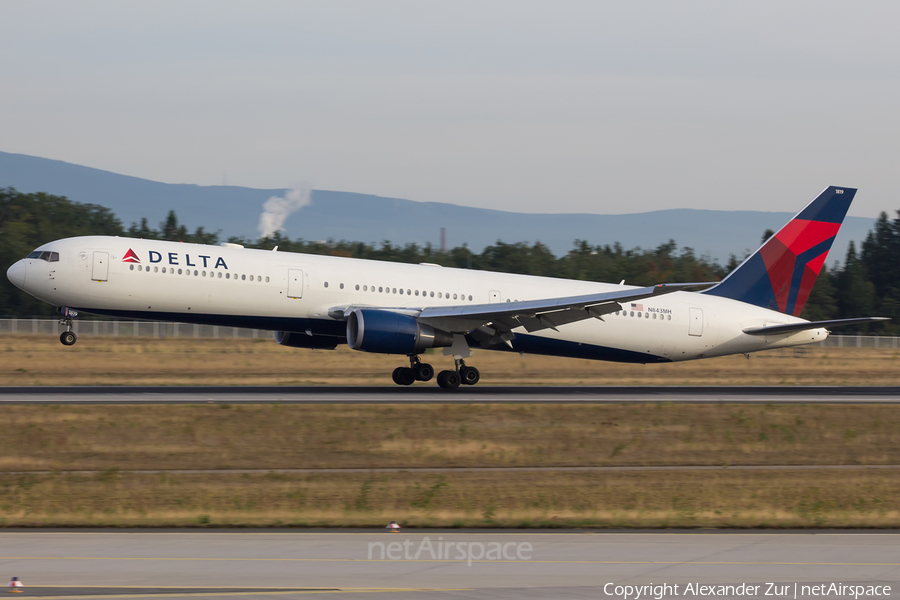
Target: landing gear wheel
{"x": 68, "y": 338}
{"x": 424, "y": 371}
{"x": 469, "y": 375}
{"x": 403, "y": 376}
{"x": 449, "y": 380}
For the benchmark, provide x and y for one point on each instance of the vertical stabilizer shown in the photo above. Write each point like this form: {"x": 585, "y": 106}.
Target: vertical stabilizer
{"x": 780, "y": 275}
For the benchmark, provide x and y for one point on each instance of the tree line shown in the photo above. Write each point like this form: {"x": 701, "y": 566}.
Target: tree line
{"x": 866, "y": 283}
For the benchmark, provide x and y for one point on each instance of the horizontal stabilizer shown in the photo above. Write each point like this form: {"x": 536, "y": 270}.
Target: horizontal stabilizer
{"x": 792, "y": 327}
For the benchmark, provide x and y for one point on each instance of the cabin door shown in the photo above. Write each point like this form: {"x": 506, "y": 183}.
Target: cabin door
{"x": 696, "y": 325}
{"x": 495, "y": 296}
{"x": 100, "y": 272}
{"x": 295, "y": 283}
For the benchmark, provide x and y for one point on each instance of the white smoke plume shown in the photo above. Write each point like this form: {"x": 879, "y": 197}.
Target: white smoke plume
{"x": 277, "y": 209}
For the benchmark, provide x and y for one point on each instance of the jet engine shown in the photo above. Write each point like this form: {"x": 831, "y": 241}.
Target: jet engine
{"x": 303, "y": 340}
{"x": 386, "y": 332}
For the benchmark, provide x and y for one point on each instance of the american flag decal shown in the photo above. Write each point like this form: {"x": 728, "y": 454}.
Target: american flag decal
{"x": 637, "y": 306}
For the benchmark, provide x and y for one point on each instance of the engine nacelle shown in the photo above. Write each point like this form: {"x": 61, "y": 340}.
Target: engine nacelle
{"x": 386, "y": 332}
{"x": 302, "y": 340}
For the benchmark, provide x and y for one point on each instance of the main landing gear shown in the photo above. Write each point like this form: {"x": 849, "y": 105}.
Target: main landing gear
{"x": 416, "y": 371}
{"x": 68, "y": 336}
{"x": 449, "y": 380}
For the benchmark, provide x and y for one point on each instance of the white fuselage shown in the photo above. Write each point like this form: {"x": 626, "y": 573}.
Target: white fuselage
{"x": 297, "y": 292}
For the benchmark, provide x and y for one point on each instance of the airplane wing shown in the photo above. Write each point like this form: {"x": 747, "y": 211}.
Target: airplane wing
{"x": 535, "y": 315}
{"x": 792, "y": 327}
{"x": 494, "y": 322}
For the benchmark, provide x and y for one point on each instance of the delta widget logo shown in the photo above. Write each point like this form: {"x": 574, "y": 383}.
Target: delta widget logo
{"x": 130, "y": 257}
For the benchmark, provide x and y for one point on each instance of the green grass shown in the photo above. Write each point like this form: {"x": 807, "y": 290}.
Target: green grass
{"x": 273, "y": 436}
{"x": 723, "y": 498}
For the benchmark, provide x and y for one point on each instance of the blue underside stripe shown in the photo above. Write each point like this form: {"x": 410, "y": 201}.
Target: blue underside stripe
{"x": 531, "y": 344}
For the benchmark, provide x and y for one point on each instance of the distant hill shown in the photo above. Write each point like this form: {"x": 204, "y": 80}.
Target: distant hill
{"x": 235, "y": 211}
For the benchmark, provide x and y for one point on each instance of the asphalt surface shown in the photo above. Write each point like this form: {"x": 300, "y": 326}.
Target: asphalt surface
{"x": 428, "y": 394}
{"x": 254, "y": 564}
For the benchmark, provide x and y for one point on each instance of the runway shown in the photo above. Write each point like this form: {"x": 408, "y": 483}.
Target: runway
{"x": 434, "y": 395}
{"x": 415, "y": 565}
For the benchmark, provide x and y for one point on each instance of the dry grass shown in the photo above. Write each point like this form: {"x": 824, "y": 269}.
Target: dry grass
{"x": 34, "y": 360}
{"x": 271, "y": 436}
{"x": 512, "y": 499}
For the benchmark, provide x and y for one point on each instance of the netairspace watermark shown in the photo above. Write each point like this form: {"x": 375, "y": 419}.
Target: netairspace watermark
{"x": 450, "y": 550}
{"x": 781, "y": 590}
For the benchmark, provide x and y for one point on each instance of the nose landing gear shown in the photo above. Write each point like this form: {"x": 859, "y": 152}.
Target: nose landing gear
{"x": 68, "y": 336}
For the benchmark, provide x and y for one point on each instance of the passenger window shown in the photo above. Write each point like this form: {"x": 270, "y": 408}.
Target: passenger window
{"x": 220, "y": 274}
{"x": 139, "y": 267}
{"x": 179, "y": 271}
{"x": 401, "y": 291}
{"x": 204, "y": 273}
{"x": 417, "y": 292}
{"x": 439, "y": 295}
{"x": 470, "y": 298}
{"x": 227, "y": 275}
{"x": 432, "y": 294}
{"x": 244, "y": 278}
{"x": 164, "y": 269}
{"x": 132, "y": 267}
{"x": 342, "y": 286}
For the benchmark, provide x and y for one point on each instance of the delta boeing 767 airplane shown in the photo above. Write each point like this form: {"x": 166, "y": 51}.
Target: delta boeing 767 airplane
{"x": 320, "y": 302}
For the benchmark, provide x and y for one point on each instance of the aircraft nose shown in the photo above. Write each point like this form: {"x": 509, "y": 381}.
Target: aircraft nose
{"x": 16, "y": 274}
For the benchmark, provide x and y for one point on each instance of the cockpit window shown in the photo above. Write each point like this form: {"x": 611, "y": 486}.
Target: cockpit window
{"x": 48, "y": 256}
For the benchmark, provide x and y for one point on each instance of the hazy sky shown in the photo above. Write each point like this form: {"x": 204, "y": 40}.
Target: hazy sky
{"x": 532, "y": 106}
